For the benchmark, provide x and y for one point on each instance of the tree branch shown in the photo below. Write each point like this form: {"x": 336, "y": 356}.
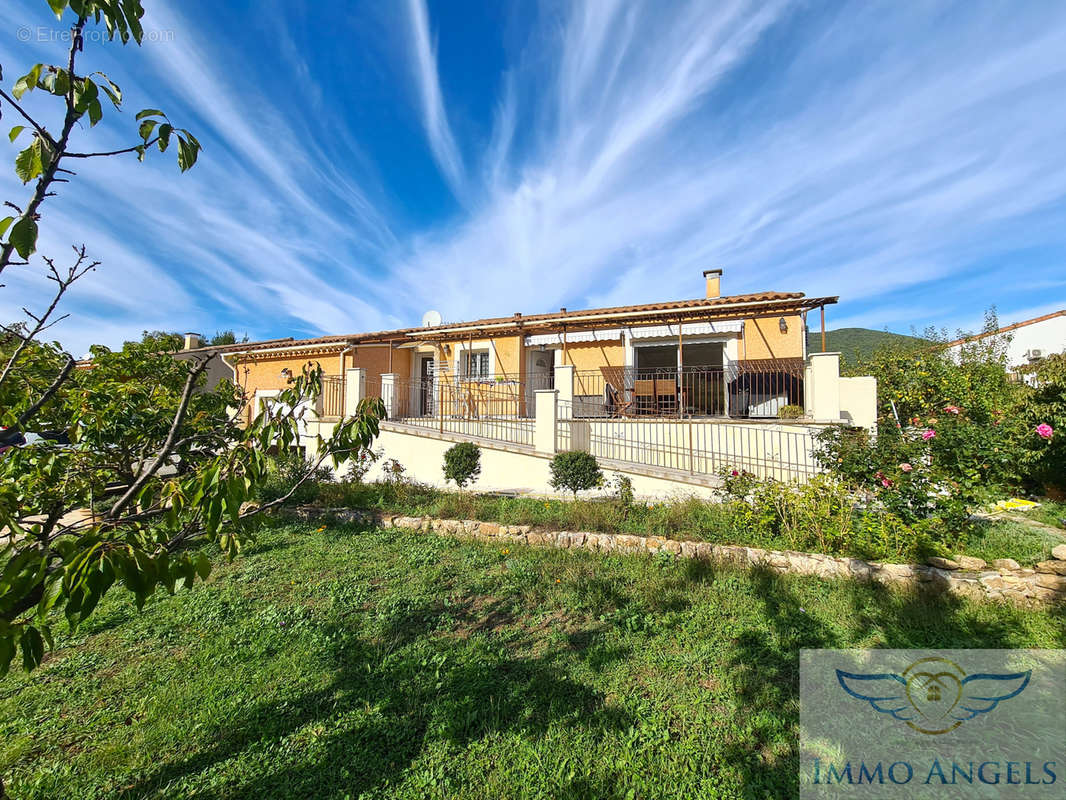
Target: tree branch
{"x": 133, "y": 149}
{"x": 41, "y": 323}
{"x": 15, "y": 105}
{"x": 27, "y": 415}
{"x": 168, "y": 445}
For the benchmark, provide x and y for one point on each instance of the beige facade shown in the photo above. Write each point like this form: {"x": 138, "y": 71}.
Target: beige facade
{"x": 715, "y": 347}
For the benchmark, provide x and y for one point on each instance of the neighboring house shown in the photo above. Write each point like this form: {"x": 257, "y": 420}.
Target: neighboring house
{"x": 217, "y": 370}
{"x": 736, "y": 355}
{"x": 1030, "y": 340}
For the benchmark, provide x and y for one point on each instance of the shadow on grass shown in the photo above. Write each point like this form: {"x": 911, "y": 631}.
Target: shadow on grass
{"x": 384, "y": 706}
{"x": 766, "y": 666}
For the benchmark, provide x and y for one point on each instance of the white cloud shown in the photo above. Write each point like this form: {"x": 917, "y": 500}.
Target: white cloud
{"x": 434, "y": 116}
{"x": 908, "y": 159}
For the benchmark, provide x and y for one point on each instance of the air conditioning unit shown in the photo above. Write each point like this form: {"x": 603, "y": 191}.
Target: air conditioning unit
{"x": 1034, "y": 354}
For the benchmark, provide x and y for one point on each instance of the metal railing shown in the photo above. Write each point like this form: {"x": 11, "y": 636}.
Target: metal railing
{"x": 742, "y": 389}
{"x": 496, "y": 410}
{"x": 332, "y": 396}
{"x": 695, "y": 446}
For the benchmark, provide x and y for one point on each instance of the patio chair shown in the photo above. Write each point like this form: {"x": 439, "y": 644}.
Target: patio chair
{"x": 615, "y": 403}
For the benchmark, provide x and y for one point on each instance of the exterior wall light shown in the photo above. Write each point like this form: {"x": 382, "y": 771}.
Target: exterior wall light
{"x": 783, "y": 325}
{"x": 286, "y": 374}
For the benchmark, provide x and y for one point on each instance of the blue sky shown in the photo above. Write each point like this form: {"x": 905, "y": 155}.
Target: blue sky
{"x": 365, "y": 161}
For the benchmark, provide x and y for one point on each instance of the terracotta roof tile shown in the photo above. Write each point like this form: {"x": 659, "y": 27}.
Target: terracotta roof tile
{"x": 1008, "y": 328}
{"x": 399, "y": 333}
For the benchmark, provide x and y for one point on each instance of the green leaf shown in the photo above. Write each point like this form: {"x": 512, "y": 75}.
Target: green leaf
{"x": 5, "y": 223}
{"x": 111, "y": 89}
{"x": 149, "y": 112}
{"x": 7, "y": 652}
{"x": 32, "y": 649}
{"x": 30, "y": 162}
{"x": 187, "y": 154}
{"x": 58, "y": 7}
{"x": 24, "y": 237}
{"x": 16, "y": 132}
{"x": 96, "y": 113}
{"x": 203, "y": 566}
{"x": 48, "y": 600}
{"x": 28, "y": 82}
{"x": 146, "y": 129}
{"x": 164, "y": 136}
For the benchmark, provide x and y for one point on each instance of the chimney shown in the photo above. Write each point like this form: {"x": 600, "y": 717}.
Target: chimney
{"x": 192, "y": 341}
{"x": 714, "y": 282}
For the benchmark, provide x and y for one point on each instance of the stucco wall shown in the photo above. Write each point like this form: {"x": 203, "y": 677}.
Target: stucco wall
{"x": 763, "y": 338}
{"x": 593, "y": 355}
{"x": 263, "y": 373}
{"x": 375, "y": 360}
{"x": 503, "y": 469}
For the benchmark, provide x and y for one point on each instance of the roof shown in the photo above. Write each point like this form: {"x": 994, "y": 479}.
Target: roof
{"x": 1008, "y": 328}
{"x": 735, "y": 306}
{"x": 228, "y": 348}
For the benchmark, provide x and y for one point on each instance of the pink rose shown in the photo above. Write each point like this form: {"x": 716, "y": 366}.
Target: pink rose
{"x": 927, "y": 435}
{"x": 1044, "y": 430}
{"x": 886, "y": 482}
{"x": 906, "y": 467}
{"x": 735, "y": 473}
{"x": 952, "y": 409}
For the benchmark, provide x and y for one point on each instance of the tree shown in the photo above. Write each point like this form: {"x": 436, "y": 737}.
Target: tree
{"x": 575, "y": 470}
{"x": 157, "y": 466}
{"x": 462, "y": 463}
{"x": 224, "y": 337}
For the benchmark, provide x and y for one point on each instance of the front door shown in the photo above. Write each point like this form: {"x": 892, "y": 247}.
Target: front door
{"x": 425, "y": 403}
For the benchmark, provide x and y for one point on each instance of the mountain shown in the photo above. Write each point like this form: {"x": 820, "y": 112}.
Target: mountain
{"x": 854, "y": 343}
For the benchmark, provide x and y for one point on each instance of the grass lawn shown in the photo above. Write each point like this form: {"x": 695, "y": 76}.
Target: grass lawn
{"x": 347, "y": 663}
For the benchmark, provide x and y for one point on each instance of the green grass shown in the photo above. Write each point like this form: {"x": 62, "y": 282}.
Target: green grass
{"x": 1024, "y": 543}
{"x": 347, "y": 663}
{"x": 688, "y": 518}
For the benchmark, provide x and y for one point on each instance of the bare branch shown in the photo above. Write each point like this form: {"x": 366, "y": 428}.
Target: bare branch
{"x": 41, "y": 323}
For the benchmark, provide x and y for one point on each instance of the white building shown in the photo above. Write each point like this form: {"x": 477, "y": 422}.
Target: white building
{"x": 1030, "y": 340}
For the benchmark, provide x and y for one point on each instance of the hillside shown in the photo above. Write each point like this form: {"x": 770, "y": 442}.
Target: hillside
{"x": 855, "y": 343}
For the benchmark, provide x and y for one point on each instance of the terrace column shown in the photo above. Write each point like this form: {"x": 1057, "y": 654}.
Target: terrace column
{"x": 564, "y": 385}
{"x": 354, "y": 389}
{"x": 545, "y": 421}
{"x": 823, "y": 387}
{"x": 388, "y": 394}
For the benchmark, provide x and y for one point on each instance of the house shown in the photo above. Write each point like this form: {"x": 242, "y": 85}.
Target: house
{"x": 668, "y": 393}
{"x": 733, "y": 355}
{"x": 1028, "y": 341}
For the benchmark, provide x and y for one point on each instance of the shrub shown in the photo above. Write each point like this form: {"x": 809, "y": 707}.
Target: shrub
{"x": 790, "y": 412}
{"x": 361, "y": 464}
{"x": 576, "y": 471}
{"x": 462, "y": 463}
{"x": 1045, "y": 405}
{"x": 623, "y": 491}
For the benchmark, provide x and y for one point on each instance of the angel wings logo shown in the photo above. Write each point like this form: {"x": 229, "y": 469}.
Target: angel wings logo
{"x": 934, "y": 695}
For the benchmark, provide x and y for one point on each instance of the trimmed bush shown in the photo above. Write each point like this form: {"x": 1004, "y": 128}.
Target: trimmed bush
{"x": 462, "y": 463}
{"x": 575, "y": 471}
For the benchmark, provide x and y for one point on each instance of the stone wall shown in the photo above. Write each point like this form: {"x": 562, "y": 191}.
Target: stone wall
{"x": 964, "y": 575}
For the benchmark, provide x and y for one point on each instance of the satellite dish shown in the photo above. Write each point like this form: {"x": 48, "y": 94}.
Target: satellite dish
{"x": 431, "y": 319}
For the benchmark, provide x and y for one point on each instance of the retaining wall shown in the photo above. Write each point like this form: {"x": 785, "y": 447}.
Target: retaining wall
{"x": 965, "y": 576}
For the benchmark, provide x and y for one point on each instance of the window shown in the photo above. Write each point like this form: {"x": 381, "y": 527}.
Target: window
{"x": 475, "y": 365}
